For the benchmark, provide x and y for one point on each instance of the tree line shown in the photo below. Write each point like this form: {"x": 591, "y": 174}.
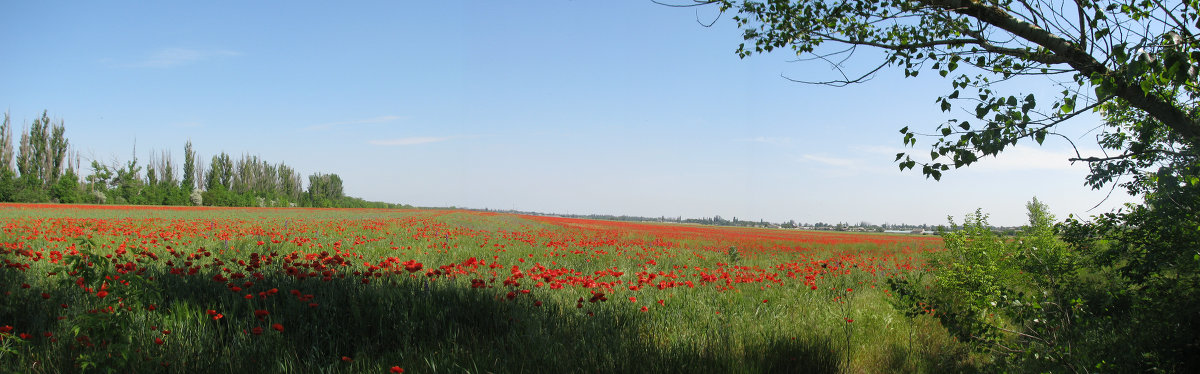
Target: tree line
{"x": 44, "y": 168}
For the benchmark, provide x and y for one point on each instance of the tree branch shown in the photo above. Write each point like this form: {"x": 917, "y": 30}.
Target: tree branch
{"x": 1170, "y": 115}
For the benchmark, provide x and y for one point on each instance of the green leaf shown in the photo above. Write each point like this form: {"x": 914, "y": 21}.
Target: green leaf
{"x": 1068, "y": 105}
{"x": 946, "y": 131}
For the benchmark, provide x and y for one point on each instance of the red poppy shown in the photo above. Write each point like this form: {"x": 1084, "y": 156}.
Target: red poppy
{"x": 277, "y": 327}
{"x": 158, "y": 341}
{"x": 397, "y": 369}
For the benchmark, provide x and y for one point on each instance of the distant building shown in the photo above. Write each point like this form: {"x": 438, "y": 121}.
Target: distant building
{"x": 918, "y": 231}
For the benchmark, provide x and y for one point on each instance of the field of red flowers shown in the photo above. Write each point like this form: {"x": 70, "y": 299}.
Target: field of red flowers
{"x": 336, "y": 290}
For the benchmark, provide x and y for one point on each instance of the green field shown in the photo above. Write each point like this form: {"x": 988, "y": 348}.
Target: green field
{"x": 308, "y": 290}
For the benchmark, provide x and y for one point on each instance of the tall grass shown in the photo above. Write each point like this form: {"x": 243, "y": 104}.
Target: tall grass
{"x": 361, "y": 319}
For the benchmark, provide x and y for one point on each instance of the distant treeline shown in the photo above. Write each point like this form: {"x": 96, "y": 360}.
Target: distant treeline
{"x": 44, "y": 169}
{"x": 718, "y": 221}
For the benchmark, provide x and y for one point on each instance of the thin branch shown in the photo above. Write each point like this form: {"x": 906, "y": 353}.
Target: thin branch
{"x": 842, "y": 83}
{"x": 1115, "y": 183}
{"x": 693, "y": 5}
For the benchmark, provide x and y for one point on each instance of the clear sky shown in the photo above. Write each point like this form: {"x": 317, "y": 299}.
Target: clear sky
{"x": 607, "y": 107}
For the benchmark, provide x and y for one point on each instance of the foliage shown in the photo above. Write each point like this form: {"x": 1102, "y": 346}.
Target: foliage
{"x": 44, "y": 173}
{"x": 324, "y": 188}
{"x": 1019, "y": 298}
{"x": 66, "y": 189}
{"x": 189, "y": 168}
{"x": 1121, "y": 295}
{"x": 1151, "y": 254}
{"x": 1134, "y": 62}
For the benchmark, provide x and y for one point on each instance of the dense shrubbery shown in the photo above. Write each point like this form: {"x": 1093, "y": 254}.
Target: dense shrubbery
{"x": 1116, "y": 294}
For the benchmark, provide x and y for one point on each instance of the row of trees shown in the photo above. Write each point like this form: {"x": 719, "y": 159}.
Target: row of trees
{"x": 44, "y": 169}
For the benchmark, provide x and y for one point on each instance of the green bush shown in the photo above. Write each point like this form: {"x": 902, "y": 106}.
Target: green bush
{"x": 1017, "y": 298}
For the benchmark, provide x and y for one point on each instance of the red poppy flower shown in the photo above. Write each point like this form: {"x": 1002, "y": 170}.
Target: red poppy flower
{"x": 256, "y": 331}
{"x": 158, "y": 341}
{"x": 397, "y": 369}
{"x": 260, "y": 314}
{"x": 277, "y": 327}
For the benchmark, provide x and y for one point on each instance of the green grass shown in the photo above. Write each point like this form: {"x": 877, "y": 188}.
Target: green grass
{"x": 442, "y": 324}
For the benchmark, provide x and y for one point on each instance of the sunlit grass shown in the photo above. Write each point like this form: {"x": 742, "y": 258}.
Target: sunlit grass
{"x": 338, "y": 283}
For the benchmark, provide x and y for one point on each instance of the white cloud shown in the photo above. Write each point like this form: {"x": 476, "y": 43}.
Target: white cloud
{"x": 366, "y": 121}
{"x": 869, "y": 160}
{"x": 410, "y": 141}
{"x": 880, "y": 149}
{"x": 831, "y": 161}
{"x": 1023, "y": 157}
{"x": 171, "y": 57}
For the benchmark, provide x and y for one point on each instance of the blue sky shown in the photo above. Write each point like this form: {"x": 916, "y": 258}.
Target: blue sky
{"x": 555, "y": 106}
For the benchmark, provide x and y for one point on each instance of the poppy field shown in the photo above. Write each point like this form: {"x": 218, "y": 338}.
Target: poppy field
{"x": 161, "y": 289}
